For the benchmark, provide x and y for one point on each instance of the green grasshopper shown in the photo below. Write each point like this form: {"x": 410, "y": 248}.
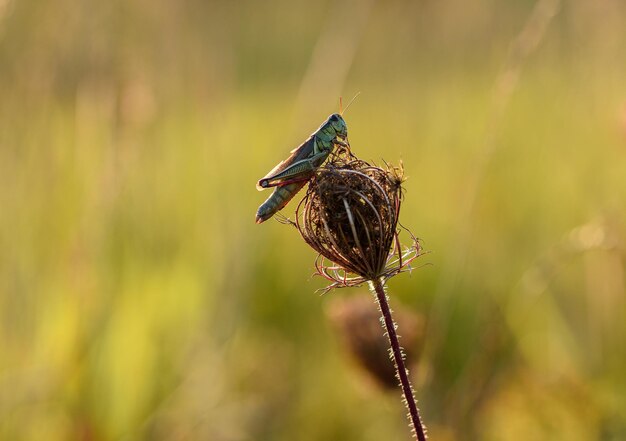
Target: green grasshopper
{"x": 293, "y": 173}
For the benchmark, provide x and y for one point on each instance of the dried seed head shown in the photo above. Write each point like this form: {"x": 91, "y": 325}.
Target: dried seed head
{"x": 350, "y": 217}
{"x": 357, "y": 321}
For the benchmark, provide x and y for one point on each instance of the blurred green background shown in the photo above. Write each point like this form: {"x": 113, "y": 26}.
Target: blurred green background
{"x": 139, "y": 301}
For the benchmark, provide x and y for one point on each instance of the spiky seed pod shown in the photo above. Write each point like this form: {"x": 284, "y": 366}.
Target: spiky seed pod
{"x": 350, "y": 217}
{"x": 357, "y": 321}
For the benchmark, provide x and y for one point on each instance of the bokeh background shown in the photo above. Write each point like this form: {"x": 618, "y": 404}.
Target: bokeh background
{"x": 139, "y": 301}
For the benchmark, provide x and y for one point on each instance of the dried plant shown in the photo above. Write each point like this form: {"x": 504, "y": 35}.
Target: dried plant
{"x": 349, "y": 215}
{"x": 357, "y": 323}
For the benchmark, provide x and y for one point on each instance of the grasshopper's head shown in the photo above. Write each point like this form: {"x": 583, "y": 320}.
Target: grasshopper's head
{"x": 338, "y": 124}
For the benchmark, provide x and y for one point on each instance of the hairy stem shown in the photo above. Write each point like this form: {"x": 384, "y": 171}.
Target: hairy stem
{"x": 403, "y": 376}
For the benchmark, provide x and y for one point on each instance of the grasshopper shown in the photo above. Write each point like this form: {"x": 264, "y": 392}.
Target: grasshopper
{"x": 293, "y": 173}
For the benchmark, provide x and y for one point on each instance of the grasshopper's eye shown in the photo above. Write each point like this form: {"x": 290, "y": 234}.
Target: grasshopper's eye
{"x": 334, "y": 118}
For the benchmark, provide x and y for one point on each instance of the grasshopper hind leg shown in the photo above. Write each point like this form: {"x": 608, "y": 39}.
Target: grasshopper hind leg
{"x": 298, "y": 171}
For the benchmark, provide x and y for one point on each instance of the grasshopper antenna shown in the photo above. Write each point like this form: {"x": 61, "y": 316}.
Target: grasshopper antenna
{"x": 341, "y": 112}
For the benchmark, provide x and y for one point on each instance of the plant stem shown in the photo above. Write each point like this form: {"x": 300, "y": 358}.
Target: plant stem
{"x": 398, "y": 358}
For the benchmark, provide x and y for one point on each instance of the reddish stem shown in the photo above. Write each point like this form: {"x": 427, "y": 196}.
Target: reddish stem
{"x": 403, "y": 376}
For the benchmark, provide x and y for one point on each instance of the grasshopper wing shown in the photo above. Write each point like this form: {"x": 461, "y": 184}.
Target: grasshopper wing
{"x": 303, "y": 151}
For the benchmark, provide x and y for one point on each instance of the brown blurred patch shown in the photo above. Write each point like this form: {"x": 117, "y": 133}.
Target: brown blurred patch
{"x": 357, "y": 321}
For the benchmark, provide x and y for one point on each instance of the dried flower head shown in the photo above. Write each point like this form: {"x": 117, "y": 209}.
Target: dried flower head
{"x": 350, "y": 217}
{"x": 357, "y": 321}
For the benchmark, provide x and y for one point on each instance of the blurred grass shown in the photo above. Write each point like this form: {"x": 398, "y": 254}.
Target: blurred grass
{"x": 138, "y": 299}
